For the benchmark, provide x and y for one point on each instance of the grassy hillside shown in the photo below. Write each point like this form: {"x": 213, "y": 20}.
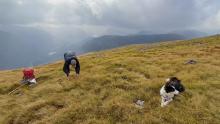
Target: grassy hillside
{"x": 112, "y": 80}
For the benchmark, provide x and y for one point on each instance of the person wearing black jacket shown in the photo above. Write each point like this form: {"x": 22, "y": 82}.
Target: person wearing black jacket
{"x": 71, "y": 59}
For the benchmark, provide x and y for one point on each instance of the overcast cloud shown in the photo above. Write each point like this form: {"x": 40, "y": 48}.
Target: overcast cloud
{"x": 98, "y": 17}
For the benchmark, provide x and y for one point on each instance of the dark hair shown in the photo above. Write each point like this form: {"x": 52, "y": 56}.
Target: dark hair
{"x": 172, "y": 83}
{"x": 168, "y": 88}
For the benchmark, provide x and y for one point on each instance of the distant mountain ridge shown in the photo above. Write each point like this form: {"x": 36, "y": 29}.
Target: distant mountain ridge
{"x": 112, "y": 41}
{"x": 189, "y": 34}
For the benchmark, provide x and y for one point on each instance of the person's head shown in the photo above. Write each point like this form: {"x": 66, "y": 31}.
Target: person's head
{"x": 73, "y": 62}
{"x": 174, "y": 82}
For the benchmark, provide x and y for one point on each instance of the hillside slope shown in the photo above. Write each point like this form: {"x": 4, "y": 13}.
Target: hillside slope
{"x": 112, "y": 80}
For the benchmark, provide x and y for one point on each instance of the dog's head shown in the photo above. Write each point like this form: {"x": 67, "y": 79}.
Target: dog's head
{"x": 172, "y": 84}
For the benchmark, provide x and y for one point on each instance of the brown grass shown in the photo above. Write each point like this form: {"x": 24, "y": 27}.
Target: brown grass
{"x": 112, "y": 80}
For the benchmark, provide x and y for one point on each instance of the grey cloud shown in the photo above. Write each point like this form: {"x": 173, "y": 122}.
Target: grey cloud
{"x": 142, "y": 14}
{"x": 111, "y": 14}
{"x": 28, "y": 12}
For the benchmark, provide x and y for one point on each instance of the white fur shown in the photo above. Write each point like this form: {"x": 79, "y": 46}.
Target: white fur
{"x": 166, "y": 98}
{"x": 32, "y": 81}
{"x": 167, "y": 80}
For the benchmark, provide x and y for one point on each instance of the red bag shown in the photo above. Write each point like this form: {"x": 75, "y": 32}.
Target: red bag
{"x": 28, "y": 73}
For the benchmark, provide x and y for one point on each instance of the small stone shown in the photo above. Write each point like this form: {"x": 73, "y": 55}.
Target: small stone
{"x": 191, "y": 62}
{"x": 139, "y": 104}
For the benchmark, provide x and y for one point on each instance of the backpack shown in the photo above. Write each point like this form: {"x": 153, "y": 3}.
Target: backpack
{"x": 69, "y": 55}
{"x": 28, "y": 73}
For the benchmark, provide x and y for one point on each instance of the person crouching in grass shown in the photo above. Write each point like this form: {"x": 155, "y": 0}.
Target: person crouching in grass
{"x": 71, "y": 59}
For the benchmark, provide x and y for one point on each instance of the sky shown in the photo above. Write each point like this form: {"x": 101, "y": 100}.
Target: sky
{"x": 99, "y": 17}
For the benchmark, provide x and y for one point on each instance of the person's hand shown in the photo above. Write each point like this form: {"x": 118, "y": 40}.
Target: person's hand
{"x": 77, "y": 75}
{"x": 68, "y": 78}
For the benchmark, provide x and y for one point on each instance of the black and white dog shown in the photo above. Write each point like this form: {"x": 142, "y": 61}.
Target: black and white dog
{"x": 171, "y": 88}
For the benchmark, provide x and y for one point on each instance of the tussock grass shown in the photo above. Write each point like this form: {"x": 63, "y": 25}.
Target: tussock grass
{"x": 111, "y": 81}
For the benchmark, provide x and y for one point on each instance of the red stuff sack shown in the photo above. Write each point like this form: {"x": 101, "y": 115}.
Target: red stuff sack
{"x": 28, "y": 73}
